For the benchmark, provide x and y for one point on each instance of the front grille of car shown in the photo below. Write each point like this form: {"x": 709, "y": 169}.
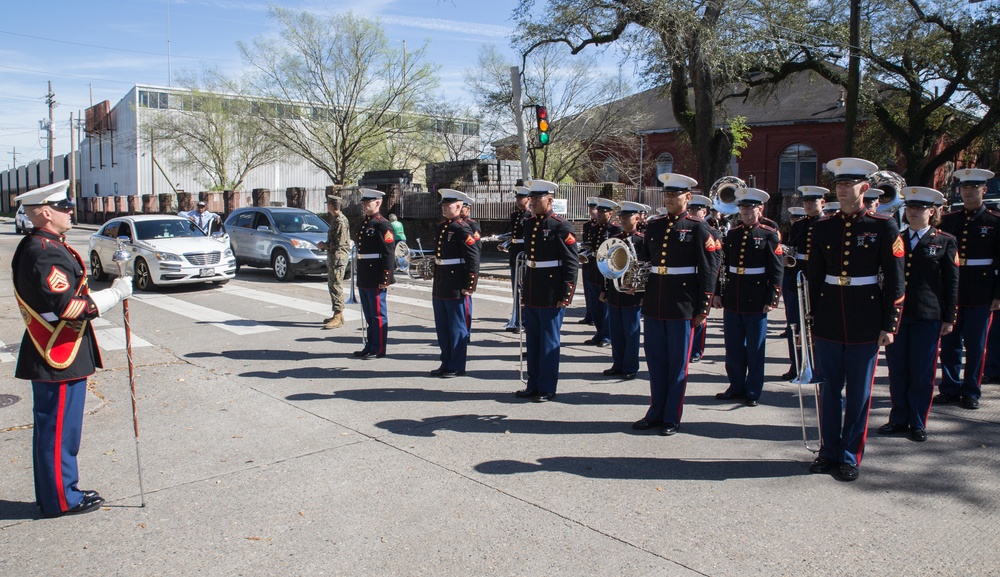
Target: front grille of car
{"x": 203, "y": 258}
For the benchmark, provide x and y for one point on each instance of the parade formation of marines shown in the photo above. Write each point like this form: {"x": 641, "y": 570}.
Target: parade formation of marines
{"x": 932, "y": 288}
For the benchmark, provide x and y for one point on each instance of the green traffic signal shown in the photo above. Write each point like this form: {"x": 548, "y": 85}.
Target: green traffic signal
{"x": 543, "y": 138}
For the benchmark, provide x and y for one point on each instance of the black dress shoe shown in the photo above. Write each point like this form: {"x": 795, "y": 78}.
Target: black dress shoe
{"x": 382, "y": 356}
{"x": 448, "y": 375}
{"x": 628, "y": 376}
{"x": 918, "y": 435}
{"x": 751, "y": 402}
{"x": 848, "y": 472}
{"x": 438, "y": 372}
{"x": 611, "y": 372}
{"x": 544, "y": 397}
{"x": 362, "y": 353}
{"x": 91, "y": 501}
{"x": 726, "y": 395}
{"x": 526, "y": 394}
{"x": 944, "y": 398}
{"x": 668, "y": 429}
{"x": 603, "y": 344}
{"x": 791, "y": 374}
{"x": 822, "y": 465}
{"x": 695, "y": 358}
{"x": 969, "y": 403}
{"x": 584, "y": 321}
{"x": 892, "y": 429}
{"x": 591, "y": 341}
{"x": 644, "y": 424}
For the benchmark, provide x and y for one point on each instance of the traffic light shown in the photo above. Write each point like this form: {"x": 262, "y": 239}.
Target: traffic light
{"x": 542, "y": 123}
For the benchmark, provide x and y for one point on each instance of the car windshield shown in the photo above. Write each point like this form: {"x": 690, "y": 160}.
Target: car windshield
{"x": 293, "y": 222}
{"x": 155, "y": 229}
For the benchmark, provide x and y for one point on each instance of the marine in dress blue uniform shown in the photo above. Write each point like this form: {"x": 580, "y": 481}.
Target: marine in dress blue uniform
{"x": 931, "y": 307}
{"x": 549, "y": 284}
{"x": 59, "y": 350}
{"x": 679, "y": 249}
{"x": 853, "y": 315}
{"x": 593, "y": 281}
{"x": 798, "y": 239}
{"x": 376, "y": 245}
{"x": 515, "y": 227}
{"x": 585, "y": 241}
{"x": 699, "y": 207}
{"x": 625, "y": 307}
{"x": 977, "y": 230}
{"x": 456, "y": 272}
{"x": 753, "y": 258}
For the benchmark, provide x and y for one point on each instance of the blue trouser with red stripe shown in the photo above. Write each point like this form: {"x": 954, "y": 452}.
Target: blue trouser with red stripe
{"x": 624, "y": 331}
{"x": 452, "y": 319}
{"x": 744, "y": 337}
{"x": 542, "y": 347}
{"x": 668, "y": 348}
{"x": 912, "y": 361}
{"x": 597, "y": 309}
{"x": 846, "y": 373}
{"x": 377, "y": 317}
{"x": 698, "y": 342}
{"x": 971, "y": 328}
{"x": 58, "y": 411}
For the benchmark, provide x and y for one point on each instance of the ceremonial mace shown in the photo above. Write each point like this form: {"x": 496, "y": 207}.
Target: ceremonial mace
{"x": 121, "y": 257}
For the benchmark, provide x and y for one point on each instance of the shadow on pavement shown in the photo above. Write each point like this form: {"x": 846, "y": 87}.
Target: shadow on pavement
{"x": 14, "y": 510}
{"x": 649, "y": 468}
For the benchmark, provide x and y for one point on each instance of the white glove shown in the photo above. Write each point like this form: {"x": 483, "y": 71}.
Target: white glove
{"x": 105, "y": 299}
{"x": 123, "y": 285}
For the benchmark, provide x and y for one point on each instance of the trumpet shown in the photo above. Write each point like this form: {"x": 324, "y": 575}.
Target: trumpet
{"x": 617, "y": 260}
{"x": 788, "y": 255}
{"x": 506, "y": 239}
{"x": 804, "y": 367}
{"x": 421, "y": 267}
{"x": 586, "y": 252}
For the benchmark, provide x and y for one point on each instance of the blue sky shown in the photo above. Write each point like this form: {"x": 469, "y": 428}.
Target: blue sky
{"x": 110, "y": 45}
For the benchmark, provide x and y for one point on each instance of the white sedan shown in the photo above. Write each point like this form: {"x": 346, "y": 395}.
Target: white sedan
{"x": 163, "y": 250}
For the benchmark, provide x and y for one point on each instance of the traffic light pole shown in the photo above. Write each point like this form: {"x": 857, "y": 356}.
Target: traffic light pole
{"x": 518, "y": 108}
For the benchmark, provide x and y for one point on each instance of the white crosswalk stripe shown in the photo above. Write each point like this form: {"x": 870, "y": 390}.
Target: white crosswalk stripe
{"x": 225, "y": 321}
{"x": 289, "y": 302}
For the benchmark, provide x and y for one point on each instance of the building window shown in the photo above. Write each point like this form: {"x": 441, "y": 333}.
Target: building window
{"x": 153, "y": 99}
{"x": 796, "y": 167}
{"x": 664, "y": 163}
{"x": 609, "y": 170}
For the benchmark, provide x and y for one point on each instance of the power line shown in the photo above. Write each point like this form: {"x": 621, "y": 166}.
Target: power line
{"x": 109, "y": 47}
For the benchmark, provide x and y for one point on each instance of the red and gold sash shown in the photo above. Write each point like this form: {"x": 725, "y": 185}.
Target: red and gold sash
{"x": 59, "y": 343}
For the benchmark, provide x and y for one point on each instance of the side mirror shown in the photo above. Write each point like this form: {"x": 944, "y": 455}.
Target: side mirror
{"x": 263, "y": 228}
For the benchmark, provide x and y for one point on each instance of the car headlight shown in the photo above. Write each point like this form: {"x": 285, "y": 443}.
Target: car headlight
{"x": 228, "y": 253}
{"x": 303, "y": 244}
{"x": 166, "y": 256}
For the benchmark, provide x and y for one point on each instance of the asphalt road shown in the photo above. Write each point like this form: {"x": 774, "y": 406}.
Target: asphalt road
{"x": 267, "y": 449}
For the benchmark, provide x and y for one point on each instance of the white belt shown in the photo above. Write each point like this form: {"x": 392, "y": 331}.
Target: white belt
{"x": 448, "y": 261}
{"x": 667, "y": 270}
{"x": 975, "y": 261}
{"x": 743, "y": 270}
{"x": 370, "y": 255}
{"x": 518, "y": 241}
{"x": 51, "y": 317}
{"x": 801, "y": 257}
{"x": 851, "y": 280}
{"x": 543, "y": 263}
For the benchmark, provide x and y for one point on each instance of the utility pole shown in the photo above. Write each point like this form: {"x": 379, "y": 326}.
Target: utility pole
{"x": 13, "y": 153}
{"x": 72, "y": 164}
{"x": 853, "y": 79}
{"x": 518, "y": 107}
{"x": 50, "y": 98}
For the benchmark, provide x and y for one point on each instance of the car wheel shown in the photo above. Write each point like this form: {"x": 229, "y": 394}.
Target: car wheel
{"x": 96, "y": 268}
{"x": 281, "y": 266}
{"x": 142, "y": 280}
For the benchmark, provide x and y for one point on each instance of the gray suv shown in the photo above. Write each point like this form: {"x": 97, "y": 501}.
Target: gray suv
{"x": 282, "y": 239}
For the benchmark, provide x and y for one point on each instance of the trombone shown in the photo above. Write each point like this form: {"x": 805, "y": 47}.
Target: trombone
{"x": 804, "y": 367}
{"x": 519, "y": 270}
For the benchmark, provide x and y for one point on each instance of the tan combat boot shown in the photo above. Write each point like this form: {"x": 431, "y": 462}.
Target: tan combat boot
{"x": 336, "y": 322}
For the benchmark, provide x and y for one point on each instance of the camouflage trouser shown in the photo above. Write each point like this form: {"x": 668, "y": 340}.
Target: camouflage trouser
{"x": 335, "y": 281}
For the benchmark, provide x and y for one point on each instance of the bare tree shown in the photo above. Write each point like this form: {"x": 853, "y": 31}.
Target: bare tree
{"x": 212, "y": 134}
{"x": 340, "y": 88}
{"x": 587, "y": 109}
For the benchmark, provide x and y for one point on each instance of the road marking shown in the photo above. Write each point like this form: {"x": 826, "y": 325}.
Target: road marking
{"x": 322, "y": 309}
{"x": 6, "y": 357}
{"x": 390, "y": 297}
{"x": 476, "y": 296}
{"x": 232, "y": 323}
{"x": 113, "y": 339}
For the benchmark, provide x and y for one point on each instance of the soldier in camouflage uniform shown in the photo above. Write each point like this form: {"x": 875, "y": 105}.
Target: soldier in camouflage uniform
{"x": 338, "y": 254}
